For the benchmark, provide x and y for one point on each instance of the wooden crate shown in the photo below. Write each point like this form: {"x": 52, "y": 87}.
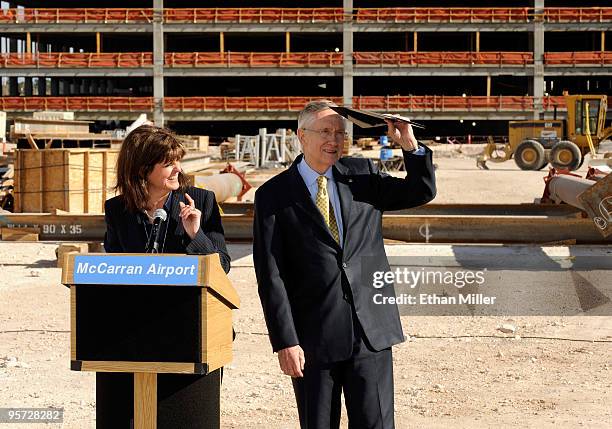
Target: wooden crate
{"x": 72, "y": 180}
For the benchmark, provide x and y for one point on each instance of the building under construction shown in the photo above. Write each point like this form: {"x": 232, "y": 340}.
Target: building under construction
{"x": 227, "y": 69}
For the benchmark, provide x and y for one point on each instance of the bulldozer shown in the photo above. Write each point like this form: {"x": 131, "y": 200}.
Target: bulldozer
{"x": 561, "y": 142}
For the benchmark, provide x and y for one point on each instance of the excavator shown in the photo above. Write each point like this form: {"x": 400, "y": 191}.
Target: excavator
{"x": 561, "y": 142}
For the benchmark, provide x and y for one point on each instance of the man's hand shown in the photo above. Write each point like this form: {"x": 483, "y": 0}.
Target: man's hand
{"x": 401, "y": 133}
{"x": 292, "y": 361}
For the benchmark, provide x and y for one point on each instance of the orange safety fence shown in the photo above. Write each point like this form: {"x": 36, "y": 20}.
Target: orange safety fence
{"x": 549, "y": 103}
{"x": 442, "y": 103}
{"x": 74, "y": 15}
{"x": 96, "y": 104}
{"x": 84, "y": 60}
{"x": 304, "y": 15}
{"x": 196, "y": 15}
{"x": 384, "y": 103}
{"x": 577, "y": 58}
{"x": 173, "y": 59}
{"x": 259, "y": 59}
{"x": 239, "y": 103}
{"x": 427, "y": 14}
{"x": 253, "y": 15}
{"x": 253, "y": 59}
{"x": 293, "y": 59}
{"x": 428, "y": 58}
{"x": 575, "y": 14}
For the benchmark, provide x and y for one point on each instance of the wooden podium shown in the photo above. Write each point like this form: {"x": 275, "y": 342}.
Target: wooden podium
{"x": 151, "y": 315}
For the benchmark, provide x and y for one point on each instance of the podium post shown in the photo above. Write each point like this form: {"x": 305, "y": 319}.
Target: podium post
{"x": 151, "y": 318}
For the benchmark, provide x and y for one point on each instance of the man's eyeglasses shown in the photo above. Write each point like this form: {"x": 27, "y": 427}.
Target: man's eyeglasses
{"x": 328, "y": 134}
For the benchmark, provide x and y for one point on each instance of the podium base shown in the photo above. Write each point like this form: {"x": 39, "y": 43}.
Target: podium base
{"x": 183, "y": 401}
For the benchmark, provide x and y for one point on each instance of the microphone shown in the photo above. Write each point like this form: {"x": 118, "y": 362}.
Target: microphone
{"x": 159, "y": 217}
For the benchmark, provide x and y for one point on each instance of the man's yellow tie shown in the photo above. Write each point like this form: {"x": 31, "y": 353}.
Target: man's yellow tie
{"x": 326, "y": 208}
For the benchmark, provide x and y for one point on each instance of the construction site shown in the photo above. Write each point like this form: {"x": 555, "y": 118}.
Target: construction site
{"x": 514, "y": 103}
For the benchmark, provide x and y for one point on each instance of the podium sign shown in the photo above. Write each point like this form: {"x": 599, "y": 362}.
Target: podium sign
{"x": 136, "y": 270}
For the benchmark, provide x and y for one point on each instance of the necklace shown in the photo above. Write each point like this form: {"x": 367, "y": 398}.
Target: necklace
{"x": 151, "y": 218}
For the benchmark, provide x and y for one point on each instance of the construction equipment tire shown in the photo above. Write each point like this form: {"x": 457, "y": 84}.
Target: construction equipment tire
{"x": 566, "y": 155}
{"x": 530, "y": 155}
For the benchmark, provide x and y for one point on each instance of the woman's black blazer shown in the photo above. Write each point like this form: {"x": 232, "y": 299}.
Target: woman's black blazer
{"x": 126, "y": 232}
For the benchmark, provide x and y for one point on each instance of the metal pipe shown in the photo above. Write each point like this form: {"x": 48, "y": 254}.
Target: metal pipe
{"x": 566, "y": 188}
{"x": 225, "y": 186}
{"x": 420, "y": 229}
{"x": 433, "y": 209}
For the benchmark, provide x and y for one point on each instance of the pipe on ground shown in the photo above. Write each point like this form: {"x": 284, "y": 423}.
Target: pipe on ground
{"x": 225, "y": 185}
{"x": 565, "y": 188}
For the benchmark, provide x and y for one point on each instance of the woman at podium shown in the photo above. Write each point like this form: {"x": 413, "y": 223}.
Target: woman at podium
{"x": 151, "y": 185}
{"x": 156, "y": 211}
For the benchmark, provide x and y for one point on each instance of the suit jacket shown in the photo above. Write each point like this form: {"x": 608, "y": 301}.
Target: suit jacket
{"x": 125, "y": 231}
{"x": 309, "y": 286}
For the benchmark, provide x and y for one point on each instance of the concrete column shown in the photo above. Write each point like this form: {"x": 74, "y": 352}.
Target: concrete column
{"x": 603, "y": 41}
{"x": 538, "y": 60}
{"x": 110, "y": 86}
{"x": 55, "y": 87}
{"x": 28, "y": 87}
{"x": 13, "y": 87}
{"x": 28, "y": 48}
{"x": 478, "y": 41}
{"x": 42, "y": 86}
{"x": 415, "y": 40}
{"x": 221, "y": 42}
{"x": 158, "y": 63}
{"x": 347, "y": 71}
{"x": 287, "y": 42}
{"x": 488, "y": 85}
{"x": 98, "y": 43}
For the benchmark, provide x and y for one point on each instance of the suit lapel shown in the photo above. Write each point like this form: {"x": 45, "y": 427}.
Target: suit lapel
{"x": 174, "y": 222}
{"x": 134, "y": 231}
{"x": 303, "y": 201}
{"x": 345, "y": 194}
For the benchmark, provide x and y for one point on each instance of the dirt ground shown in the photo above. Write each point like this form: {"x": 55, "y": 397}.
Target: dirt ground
{"x": 470, "y": 375}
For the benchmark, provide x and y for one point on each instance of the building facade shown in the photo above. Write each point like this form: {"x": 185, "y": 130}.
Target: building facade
{"x": 461, "y": 67}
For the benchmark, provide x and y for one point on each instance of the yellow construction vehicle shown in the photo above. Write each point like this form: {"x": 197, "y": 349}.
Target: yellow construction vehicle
{"x": 562, "y": 142}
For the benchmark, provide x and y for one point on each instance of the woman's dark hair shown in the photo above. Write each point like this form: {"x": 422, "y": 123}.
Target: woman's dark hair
{"x": 140, "y": 151}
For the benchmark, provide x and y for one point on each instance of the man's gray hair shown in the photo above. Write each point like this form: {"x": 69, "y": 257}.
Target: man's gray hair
{"x": 307, "y": 115}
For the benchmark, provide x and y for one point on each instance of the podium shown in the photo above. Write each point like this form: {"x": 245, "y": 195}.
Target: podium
{"x": 157, "y": 330}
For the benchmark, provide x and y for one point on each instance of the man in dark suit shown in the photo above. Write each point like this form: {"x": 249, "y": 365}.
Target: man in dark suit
{"x": 317, "y": 242}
